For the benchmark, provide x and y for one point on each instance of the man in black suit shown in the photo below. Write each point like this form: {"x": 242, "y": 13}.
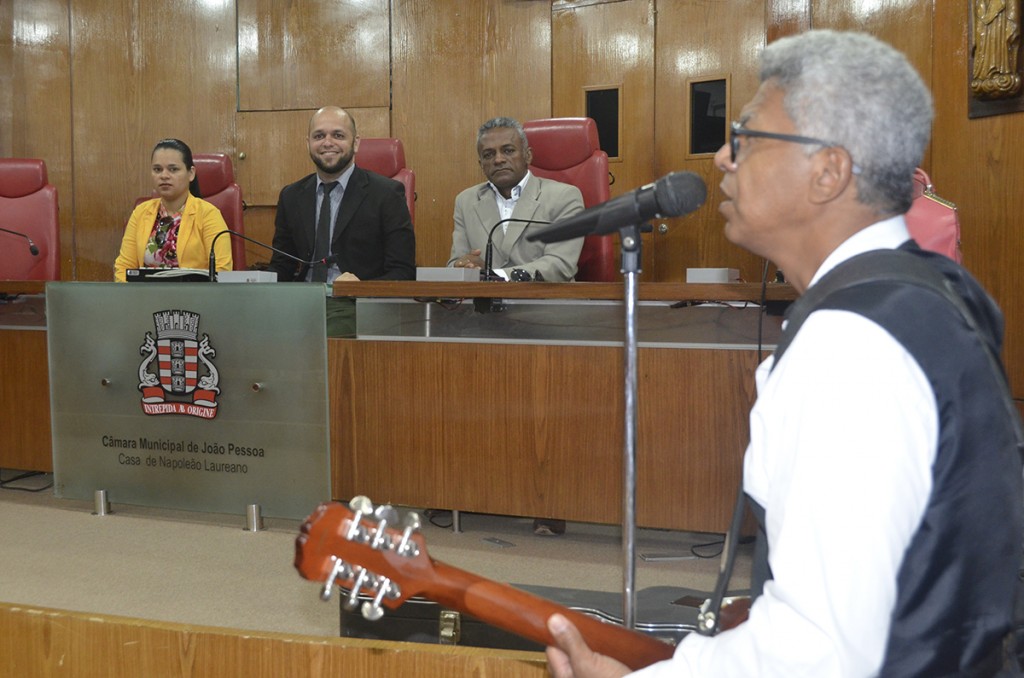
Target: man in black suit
{"x": 361, "y": 227}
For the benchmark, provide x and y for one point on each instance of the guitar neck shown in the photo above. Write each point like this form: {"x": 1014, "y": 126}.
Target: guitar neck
{"x": 526, "y": 615}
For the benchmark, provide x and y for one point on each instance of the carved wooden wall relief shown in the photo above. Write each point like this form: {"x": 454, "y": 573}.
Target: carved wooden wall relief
{"x": 995, "y": 78}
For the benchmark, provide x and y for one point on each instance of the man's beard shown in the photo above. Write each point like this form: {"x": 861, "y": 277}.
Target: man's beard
{"x": 337, "y": 167}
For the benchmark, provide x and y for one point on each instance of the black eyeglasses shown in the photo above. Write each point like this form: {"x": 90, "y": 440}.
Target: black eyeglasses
{"x": 738, "y": 130}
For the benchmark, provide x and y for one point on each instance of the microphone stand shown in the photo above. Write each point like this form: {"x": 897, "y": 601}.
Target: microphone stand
{"x": 31, "y": 245}
{"x": 684, "y": 192}
{"x": 487, "y": 304}
{"x": 213, "y": 252}
{"x": 489, "y": 273}
{"x": 236, "y": 234}
{"x": 631, "y": 242}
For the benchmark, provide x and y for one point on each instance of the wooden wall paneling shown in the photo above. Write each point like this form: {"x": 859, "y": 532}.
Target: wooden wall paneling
{"x": 905, "y": 24}
{"x": 305, "y": 53}
{"x": 976, "y": 164}
{"x": 25, "y": 441}
{"x": 785, "y": 17}
{"x": 604, "y": 46}
{"x": 696, "y": 40}
{"x": 272, "y": 150}
{"x": 44, "y": 642}
{"x": 259, "y": 225}
{"x": 35, "y": 109}
{"x": 456, "y": 64}
{"x": 141, "y": 72}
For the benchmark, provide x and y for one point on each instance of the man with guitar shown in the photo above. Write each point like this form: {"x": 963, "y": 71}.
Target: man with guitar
{"x": 884, "y": 461}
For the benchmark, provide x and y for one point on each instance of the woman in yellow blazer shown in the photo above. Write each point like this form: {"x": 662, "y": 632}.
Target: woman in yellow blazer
{"x": 176, "y": 229}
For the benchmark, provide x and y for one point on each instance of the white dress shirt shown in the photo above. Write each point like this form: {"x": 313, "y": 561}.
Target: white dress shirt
{"x": 842, "y": 439}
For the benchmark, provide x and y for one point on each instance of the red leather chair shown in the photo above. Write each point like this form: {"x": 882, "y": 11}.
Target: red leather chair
{"x": 28, "y": 205}
{"x": 568, "y": 150}
{"x": 216, "y": 177}
{"x": 387, "y": 158}
{"x": 217, "y": 184}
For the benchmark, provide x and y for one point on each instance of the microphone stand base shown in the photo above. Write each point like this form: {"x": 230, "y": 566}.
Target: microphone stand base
{"x": 488, "y": 305}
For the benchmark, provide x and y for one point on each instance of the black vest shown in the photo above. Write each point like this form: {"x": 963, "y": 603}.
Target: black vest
{"x": 957, "y": 582}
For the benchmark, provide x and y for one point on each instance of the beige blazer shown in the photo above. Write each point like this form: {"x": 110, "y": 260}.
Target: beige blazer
{"x": 476, "y": 212}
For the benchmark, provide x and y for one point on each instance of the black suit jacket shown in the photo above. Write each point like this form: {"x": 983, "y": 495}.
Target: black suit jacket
{"x": 373, "y": 236}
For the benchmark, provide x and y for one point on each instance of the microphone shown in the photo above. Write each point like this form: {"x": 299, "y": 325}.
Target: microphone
{"x": 673, "y": 195}
{"x": 31, "y": 245}
{"x": 213, "y": 257}
{"x": 489, "y": 249}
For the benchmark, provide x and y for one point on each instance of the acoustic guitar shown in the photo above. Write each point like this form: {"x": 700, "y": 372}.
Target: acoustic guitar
{"x": 365, "y": 550}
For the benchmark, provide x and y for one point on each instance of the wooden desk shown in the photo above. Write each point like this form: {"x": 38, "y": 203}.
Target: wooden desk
{"x": 25, "y": 440}
{"x": 13, "y": 287}
{"x": 579, "y": 290}
{"x": 529, "y": 429}
{"x": 536, "y": 429}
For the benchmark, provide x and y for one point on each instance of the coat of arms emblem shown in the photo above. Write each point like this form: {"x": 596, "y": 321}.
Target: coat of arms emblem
{"x": 176, "y": 387}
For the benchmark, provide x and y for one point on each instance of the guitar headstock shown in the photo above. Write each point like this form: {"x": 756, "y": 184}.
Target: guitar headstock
{"x": 363, "y": 548}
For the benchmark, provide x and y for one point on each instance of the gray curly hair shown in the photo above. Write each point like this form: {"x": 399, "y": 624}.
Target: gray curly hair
{"x": 863, "y": 95}
{"x": 496, "y": 123}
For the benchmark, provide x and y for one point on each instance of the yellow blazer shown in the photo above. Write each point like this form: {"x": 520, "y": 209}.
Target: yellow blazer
{"x": 200, "y": 222}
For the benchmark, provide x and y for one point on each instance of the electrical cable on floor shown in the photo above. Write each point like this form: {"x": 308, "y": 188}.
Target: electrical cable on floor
{"x": 6, "y": 484}
{"x": 745, "y": 539}
{"x": 435, "y": 517}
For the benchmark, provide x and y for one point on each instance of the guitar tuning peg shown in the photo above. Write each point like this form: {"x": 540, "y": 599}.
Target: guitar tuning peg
{"x": 336, "y": 571}
{"x": 386, "y": 512}
{"x": 385, "y": 515}
{"x": 361, "y": 506}
{"x": 352, "y": 601}
{"x": 373, "y": 611}
{"x": 412, "y": 522}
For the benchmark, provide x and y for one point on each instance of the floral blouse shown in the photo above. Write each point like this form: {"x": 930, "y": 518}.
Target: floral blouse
{"x": 162, "y": 248}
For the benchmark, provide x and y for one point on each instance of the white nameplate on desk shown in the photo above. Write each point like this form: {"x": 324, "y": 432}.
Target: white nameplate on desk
{"x": 447, "y": 274}
{"x": 712, "y": 275}
{"x": 246, "y": 276}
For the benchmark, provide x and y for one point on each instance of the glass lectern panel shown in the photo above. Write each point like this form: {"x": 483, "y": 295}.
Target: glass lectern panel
{"x": 193, "y": 396}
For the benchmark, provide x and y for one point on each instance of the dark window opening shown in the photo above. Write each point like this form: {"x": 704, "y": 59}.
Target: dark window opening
{"x": 603, "y": 107}
{"x": 707, "y": 116}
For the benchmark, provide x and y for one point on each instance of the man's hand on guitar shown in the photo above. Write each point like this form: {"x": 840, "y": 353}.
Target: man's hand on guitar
{"x": 573, "y": 659}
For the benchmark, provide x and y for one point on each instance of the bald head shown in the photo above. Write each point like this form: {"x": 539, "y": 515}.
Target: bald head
{"x": 332, "y": 141}
{"x": 333, "y": 113}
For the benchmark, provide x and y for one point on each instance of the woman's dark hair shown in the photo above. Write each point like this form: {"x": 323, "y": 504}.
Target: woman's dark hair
{"x": 186, "y": 153}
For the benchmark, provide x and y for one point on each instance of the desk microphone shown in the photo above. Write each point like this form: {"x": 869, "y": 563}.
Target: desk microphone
{"x": 673, "y": 195}
{"x": 489, "y": 249}
{"x": 326, "y": 261}
{"x": 31, "y": 245}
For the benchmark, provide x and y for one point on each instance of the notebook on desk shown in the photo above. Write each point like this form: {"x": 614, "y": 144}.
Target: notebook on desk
{"x": 167, "y": 275}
